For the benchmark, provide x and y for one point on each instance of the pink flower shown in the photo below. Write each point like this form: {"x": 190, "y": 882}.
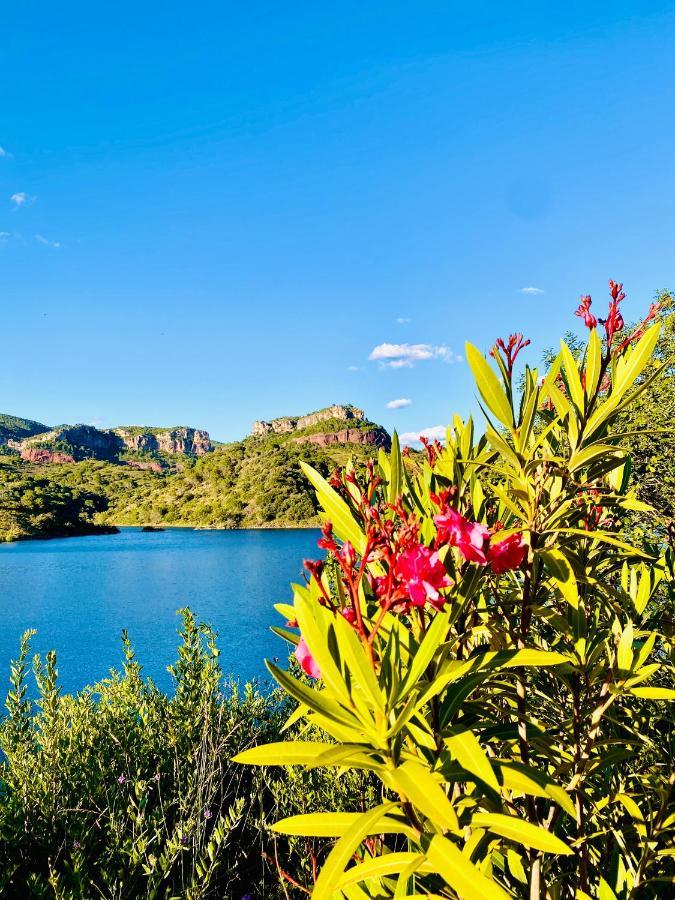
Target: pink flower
{"x": 584, "y": 312}
{"x": 306, "y": 660}
{"x": 507, "y": 554}
{"x": 349, "y": 614}
{"x": 614, "y": 321}
{"x": 423, "y": 574}
{"x": 468, "y": 537}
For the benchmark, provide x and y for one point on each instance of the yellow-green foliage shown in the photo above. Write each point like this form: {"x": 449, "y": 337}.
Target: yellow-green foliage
{"x": 520, "y": 723}
{"x": 123, "y": 791}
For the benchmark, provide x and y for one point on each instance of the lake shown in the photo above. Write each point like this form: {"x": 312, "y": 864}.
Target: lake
{"x": 80, "y": 592}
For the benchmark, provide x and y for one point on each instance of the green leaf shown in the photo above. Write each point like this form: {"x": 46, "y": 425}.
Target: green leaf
{"x": 637, "y": 360}
{"x": 464, "y": 747}
{"x": 515, "y": 863}
{"x": 489, "y": 386}
{"x": 593, "y": 362}
{"x": 605, "y": 892}
{"x": 521, "y": 832}
{"x": 572, "y": 377}
{"x": 425, "y": 652}
{"x": 459, "y": 873}
{"x": 605, "y": 538}
{"x": 284, "y": 753}
{"x": 417, "y": 784}
{"x": 316, "y": 700}
{"x": 342, "y": 852}
{"x": 315, "y": 622}
{"x": 624, "y": 652}
{"x": 337, "y": 511}
{"x": 653, "y": 693}
{"x": 395, "y": 465}
{"x": 562, "y": 574}
{"x": 388, "y": 864}
{"x": 337, "y": 824}
{"x": 526, "y": 780}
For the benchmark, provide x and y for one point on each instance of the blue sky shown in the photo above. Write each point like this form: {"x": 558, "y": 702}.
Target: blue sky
{"x": 216, "y": 212}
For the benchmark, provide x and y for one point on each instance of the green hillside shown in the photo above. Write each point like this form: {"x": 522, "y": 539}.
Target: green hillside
{"x": 253, "y": 483}
{"x": 17, "y": 429}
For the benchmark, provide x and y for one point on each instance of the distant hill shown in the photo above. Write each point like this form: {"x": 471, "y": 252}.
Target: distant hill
{"x": 178, "y": 476}
{"x": 17, "y": 429}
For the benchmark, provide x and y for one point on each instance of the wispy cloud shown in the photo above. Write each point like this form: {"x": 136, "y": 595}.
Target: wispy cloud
{"x": 532, "y": 290}
{"x": 397, "y": 356}
{"x": 398, "y": 404}
{"x": 41, "y": 239}
{"x": 353, "y": 369}
{"x": 433, "y": 433}
{"x": 3, "y": 152}
{"x": 21, "y": 198}
{"x": 4, "y": 236}
{"x": 403, "y": 320}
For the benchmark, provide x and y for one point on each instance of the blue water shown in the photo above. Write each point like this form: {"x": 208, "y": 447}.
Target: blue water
{"x": 80, "y": 592}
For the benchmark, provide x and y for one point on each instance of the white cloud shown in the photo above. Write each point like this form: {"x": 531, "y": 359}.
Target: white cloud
{"x": 402, "y": 320}
{"x": 4, "y": 236}
{"x": 3, "y": 152}
{"x": 353, "y": 369}
{"x": 433, "y": 433}
{"x": 398, "y": 404}
{"x": 21, "y": 198}
{"x": 47, "y": 243}
{"x": 532, "y": 290}
{"x": 397, "y": 356}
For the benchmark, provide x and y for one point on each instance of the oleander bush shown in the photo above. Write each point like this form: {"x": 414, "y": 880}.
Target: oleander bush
{"x": 490, "y": 639}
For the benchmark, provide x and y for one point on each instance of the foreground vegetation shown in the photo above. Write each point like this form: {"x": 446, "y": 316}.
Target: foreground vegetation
{"x": 125, "y": 792}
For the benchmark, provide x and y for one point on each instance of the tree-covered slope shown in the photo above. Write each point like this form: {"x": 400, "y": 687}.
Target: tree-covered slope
{"x": 255, "y": 483}
{"x": 36, "y": 506}
{"x": 17, "y": 429}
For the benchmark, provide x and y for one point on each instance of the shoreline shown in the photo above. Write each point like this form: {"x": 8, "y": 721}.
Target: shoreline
{"x": 152, "y": 529}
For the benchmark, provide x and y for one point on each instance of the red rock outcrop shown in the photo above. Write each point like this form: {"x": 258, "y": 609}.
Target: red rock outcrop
{"x": 38, "y": 455}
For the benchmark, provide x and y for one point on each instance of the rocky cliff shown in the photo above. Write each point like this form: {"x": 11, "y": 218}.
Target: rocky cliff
{"x": 77, "y": 441}
{"x": 74, "y": 443}
{"x": 374, "y": 437}
{"x": 181, "y": 441}
{"x": 287, "y": 424}
{"x": 38, "y": 455}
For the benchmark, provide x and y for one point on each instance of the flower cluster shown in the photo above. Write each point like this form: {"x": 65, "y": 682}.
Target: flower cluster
{"x": 397, "y": 570}
{"x": 472, "y": 539}
{"x": 510, "y": 350}
{"x": 614, "y": 323}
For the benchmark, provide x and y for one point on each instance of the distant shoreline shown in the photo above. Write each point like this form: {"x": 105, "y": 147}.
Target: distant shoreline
{"x": 153, "y": 529}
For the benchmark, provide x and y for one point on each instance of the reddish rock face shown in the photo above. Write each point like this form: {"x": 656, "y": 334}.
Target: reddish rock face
{"x": 37, "y": 455}
{"x": 374, "y": 437}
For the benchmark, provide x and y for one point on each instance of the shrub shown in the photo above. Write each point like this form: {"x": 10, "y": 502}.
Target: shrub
{"x": 125, "y": 792}
{"x": 487, "y": 643}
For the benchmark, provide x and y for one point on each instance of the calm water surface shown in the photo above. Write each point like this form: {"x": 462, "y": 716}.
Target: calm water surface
{"x": 80, "y": 592}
